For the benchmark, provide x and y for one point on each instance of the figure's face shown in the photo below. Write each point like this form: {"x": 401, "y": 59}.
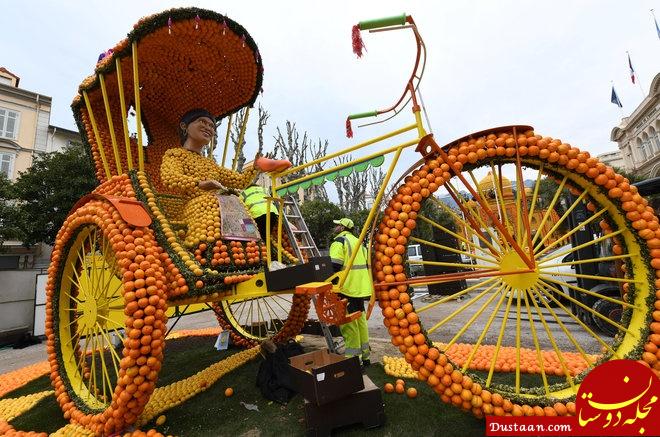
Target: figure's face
{"x": 338, "y": 229}
{"x": 201, "y": 130}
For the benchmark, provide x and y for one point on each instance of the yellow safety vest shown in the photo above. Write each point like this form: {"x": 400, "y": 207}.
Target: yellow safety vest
{"x": 254, "y": 198}
{"x": 358, "y": 282}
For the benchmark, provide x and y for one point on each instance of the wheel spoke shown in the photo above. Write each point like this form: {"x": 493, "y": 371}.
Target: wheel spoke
{"x": 569, "y": 336}
{"x": 452, "y": 233}
{"x": 567, "y": 235}
{"x": 551, "y": 337}
{"x": 542, "y": 265}
{"x": 539, "y": 356}
{"x": 474, "y": 317}
{"x": 455, "y": 295}
{"x": 445, "y": 264}
{"x": 582, "y": 246}
{"x": 532, "y": 209}
{"x": 500, "y": 337}
{"x": 595, "y": 277}
{"x": 551, "y": 207}
{"x": 589, "y": 292}
{"x": 471, "y": 213}
{"x": 502, "y": 213}
{"x": 461, "y": 309}
{"x": 452, "y": 249}
{"x": 561, "y": 220}
{"x": 113, "y": 353}
{"x": 517, "y": 342}
{"x": 92, "y": 377}
{"x": 472, "y": 226}
{"x": 484, "y": 331}
{"x": 589, "y": 309}
{"x": 576, "y": 318}
{"x": 106, "y": 375}
{"x": 499, "y": 195}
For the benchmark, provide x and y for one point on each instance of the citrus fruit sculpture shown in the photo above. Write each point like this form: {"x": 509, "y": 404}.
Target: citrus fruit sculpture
{"x": 517, "y": 337}
{"x": 119, "y": 260}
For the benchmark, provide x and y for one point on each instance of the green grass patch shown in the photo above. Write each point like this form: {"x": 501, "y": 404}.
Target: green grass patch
{"x": 210, "y": 413}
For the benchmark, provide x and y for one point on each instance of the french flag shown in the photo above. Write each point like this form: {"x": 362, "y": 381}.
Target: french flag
{"x": 632, "y": 70}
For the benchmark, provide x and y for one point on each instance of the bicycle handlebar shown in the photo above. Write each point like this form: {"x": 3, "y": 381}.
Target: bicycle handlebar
{"x": 363, "y": 115}
{"x": 382, "y": 22}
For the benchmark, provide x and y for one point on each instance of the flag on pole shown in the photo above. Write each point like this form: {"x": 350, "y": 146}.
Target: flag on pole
{"x": 615, "y": 99}
{"x": 632, "y": 70}
{"x": 657, "y": 29}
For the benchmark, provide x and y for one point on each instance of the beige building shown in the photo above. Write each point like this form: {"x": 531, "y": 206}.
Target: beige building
{"x": 613, "y": 159}
{"x": 638, "y": 135}
{"x": 25, "y": 128}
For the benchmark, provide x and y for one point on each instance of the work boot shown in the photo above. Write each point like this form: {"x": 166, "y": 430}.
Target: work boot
{"x": 271, "y": 165}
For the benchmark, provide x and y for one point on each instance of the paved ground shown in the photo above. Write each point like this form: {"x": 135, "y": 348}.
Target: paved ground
{"x": 11, "y": 359}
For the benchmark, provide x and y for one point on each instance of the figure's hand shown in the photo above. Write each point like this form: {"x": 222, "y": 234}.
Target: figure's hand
{"x": 210, "y": 185}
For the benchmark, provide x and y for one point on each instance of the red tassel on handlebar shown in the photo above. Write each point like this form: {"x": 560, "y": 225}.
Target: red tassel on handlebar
{"x": 349, "y": 129}
{"x": 358, "y": 44}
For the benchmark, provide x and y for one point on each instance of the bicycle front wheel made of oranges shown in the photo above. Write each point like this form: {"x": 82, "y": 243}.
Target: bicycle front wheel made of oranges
{"x": 548, "y": 268}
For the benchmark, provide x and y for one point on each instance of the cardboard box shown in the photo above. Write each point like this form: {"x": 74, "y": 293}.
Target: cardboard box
{"x": 365, "y": 407}
{"x": 323, "y": 377}
{"x": 318, "y": 269}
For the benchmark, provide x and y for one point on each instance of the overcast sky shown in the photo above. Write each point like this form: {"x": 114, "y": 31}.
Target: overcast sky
{"x": 545, "y": 63}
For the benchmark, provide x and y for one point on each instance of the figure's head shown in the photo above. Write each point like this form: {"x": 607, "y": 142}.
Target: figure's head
{"x": 198, "y": 125}
{"x": 343, "y": 224}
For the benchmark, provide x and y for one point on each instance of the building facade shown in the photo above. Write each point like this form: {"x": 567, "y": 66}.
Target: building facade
{"x": 25, "y": 129}
{"x": 613, "y": 159}
{"x": 638, "y": 135}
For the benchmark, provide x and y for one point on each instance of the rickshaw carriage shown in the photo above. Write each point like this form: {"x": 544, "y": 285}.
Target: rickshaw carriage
{"x": 120, "y": 261}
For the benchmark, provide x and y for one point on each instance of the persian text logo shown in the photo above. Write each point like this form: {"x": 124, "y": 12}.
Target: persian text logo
{"x": 619, "y": 397}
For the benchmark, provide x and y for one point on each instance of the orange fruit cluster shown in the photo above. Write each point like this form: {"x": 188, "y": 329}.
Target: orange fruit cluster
{"x": 458, "y": 353}
{"x": 7, "y": 430}
{"x": 400, "y": 219}
{"x": 141, "y": 262}
{"x": 138, "y": 433}
{"x": 10, "y": 381}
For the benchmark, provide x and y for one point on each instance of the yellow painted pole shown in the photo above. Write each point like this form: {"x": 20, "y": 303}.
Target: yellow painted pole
{"x": 224, "y": 151}
{"x": 124, "y": 115}
{"x": 99, "y": 143}
{"x": 347, "y": 164}
{"x": 350, "y": 149}
{"x": 550, "y": 209}
{"x": 138, "y": 113}
{"x": 455, "y": 295}
{"x": 111, "y": 127}
{"x": 464, "y": 307}
{"x": 370, "y": 217}
{"x": 577, "y": 320}
{"x": 560, "y": 221}
{"x": 239, "y": 145}
{"x": 539, "y": 356}
{"x": 500, "y": 337}
{"x": 484, "y": 331}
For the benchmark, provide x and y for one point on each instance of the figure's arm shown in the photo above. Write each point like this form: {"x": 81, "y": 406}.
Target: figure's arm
{"x": 236, "y": 180}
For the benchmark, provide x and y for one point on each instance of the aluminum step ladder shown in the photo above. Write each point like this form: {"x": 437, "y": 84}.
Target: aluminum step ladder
{"x": 304, "y": 247}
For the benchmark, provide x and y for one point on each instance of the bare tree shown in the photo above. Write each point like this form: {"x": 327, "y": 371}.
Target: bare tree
{"x": 235, "y": 133}
{"x": 376, "y": 178}
{"x": 300, "y": 150}
{"x": 351, "y": 189}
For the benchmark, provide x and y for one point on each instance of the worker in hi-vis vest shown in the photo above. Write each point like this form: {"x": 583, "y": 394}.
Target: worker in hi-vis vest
{"x": 254, "y": 198}
{"x": 357, "y": 287}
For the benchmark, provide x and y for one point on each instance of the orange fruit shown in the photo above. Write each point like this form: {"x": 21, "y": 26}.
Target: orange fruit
{"x": 411, "y": 392}
{"x": 399, "y": 388}
{"x": 389, "y": 388}
{"x": 229, "y": 392}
